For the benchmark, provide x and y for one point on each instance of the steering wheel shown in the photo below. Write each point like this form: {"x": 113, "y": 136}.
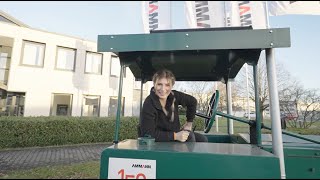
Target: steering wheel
{"x": 211, "y": 111}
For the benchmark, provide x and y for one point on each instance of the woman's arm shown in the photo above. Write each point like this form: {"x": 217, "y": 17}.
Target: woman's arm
{"x": 149, "y": 123}
{"x": 188, "y": 101}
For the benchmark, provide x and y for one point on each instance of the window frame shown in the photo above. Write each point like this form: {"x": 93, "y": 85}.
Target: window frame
{"x": 113, "y": 75}
{"x": 123, "y": 101}
{"x": 86, "y": 59}
{"x": 24, "y": 42}
{"x": 57, "y": 58}
{"x": 83, "y": 101}
{"x": 6, "y": 56}
{"x": 71, "y": 96}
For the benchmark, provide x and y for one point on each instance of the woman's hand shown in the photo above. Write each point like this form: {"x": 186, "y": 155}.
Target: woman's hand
{"x": 181, "y": 136}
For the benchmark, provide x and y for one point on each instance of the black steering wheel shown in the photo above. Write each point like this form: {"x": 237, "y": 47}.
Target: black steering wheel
{"x": 211, "y": 111}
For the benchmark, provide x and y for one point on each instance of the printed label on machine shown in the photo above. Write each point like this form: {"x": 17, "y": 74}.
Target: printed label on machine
{"x": 127, "y": 168}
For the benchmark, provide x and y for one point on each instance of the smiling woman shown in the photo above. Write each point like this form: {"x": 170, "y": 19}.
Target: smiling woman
{"x": 160, "y": 118}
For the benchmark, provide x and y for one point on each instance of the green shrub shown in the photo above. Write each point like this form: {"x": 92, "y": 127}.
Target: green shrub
{"x": 59, "y": 130}
{"x": 45, "y": 131}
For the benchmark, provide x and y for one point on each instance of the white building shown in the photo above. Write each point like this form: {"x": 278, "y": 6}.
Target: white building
{"x": 44, "y": 73}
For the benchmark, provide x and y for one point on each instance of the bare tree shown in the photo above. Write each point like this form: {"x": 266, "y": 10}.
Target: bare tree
{"x": 221, "y": 87}
{"x": 203, "y": 92}
{"x": 309, "y": 108}
{"x": 300, "y": 107}
{"x": 289, "y": 97}
{"x": 283, "y": 79}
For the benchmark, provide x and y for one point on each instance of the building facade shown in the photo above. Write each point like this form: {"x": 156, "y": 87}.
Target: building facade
{"x": 48, "y": 74}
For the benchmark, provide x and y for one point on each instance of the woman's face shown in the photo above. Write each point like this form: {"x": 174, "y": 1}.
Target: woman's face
{"x": 163, "y": 87}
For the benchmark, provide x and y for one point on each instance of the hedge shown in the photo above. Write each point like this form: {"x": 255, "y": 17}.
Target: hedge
{"x": 59, "y": 130}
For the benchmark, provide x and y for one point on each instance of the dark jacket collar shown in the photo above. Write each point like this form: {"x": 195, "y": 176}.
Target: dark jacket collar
{"x": 156, "y": 101}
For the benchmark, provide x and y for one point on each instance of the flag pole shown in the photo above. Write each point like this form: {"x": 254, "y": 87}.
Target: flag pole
{"x": 267, "y": 14}
{"x": 170, "y": 6}
{"x": 248, "y": 103}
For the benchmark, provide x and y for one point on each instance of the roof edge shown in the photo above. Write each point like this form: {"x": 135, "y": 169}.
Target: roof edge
{"x": 12, "y": 19}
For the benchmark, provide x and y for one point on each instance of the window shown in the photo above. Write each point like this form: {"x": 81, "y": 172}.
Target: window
{"x": 61, "y": 105}
{"x": 137, "y": 85}
{"x": 65, "y": 58}
{"x": 113, "y": 106}
{"x": 115, "y": 67}
{"x": 4, "y": 64}
{"x": 93, "y": 63}
{"x": 91, "y": 106}
{"x": 11, "y": 103}
{"x": 33, "y": 53}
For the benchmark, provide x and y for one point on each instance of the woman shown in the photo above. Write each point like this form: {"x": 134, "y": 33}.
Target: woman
{"x": 160, "y": 118}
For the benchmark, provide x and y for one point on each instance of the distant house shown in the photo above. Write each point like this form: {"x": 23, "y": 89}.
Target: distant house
{"x": 49, "y": 74}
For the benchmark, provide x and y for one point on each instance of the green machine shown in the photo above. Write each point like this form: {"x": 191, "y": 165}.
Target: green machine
{"x": 208, "y": 54}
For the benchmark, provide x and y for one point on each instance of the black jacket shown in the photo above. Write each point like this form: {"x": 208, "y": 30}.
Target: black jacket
{"x": 156, "y": 123}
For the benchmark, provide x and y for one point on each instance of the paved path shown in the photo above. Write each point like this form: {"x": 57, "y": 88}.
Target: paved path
{"x": 28, "y": 158}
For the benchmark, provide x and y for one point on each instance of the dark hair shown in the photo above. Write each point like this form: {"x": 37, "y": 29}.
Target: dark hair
{"x": 164, "y": 73}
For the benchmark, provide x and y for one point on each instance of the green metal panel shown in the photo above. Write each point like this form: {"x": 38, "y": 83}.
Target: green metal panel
{"x": 219, "y": 138}
{"x": 300, "y": 162}
{"x": 198, "y": 160}
{"x": 196, "y": 40}
{"x": 224, "y": 138}
{"x": 195, "y": 65}
{"x": 217, "y": 53}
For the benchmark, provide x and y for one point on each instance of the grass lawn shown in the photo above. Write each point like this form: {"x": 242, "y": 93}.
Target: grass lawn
{"x": 88, "y": 170}
{"x": 238, "y": 127}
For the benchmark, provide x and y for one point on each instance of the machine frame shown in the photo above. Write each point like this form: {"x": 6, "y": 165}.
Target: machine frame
{"x": 210, "y": 54}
